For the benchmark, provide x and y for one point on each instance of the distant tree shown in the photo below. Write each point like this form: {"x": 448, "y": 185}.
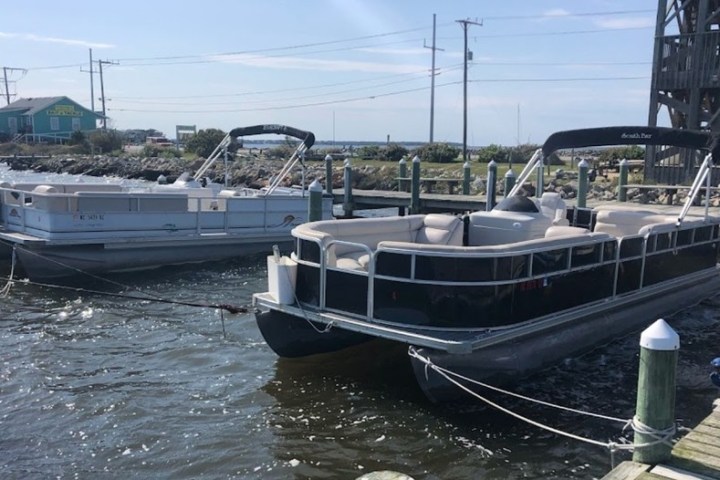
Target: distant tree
{"x": 204, "y": 142}
{"x": 106, "y": 141}
{"x": 437, "y": 153}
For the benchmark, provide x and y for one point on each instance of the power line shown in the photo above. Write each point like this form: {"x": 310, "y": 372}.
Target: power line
{"x": 568, "y": 15}
{"x": 294, "y": 89}
{"x": 389, "y": 94}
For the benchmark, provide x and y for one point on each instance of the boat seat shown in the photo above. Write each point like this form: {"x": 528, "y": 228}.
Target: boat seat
{"x": 620, "y": 223}
{"x": 359, "y": 237}
{"x": 562, "y": 230}
{"x": 553, "y": 206}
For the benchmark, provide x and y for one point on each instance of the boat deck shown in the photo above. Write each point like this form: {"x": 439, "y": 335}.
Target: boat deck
{"x": 695, "y": 456}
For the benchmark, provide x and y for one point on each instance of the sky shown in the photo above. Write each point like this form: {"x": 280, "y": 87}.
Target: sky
{"x": 347, "y": 70}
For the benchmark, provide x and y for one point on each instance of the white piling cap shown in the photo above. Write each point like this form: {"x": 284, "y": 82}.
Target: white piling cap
{"x": 328, "y": 157}
{"x": 509, "y": 173}
{"x": 583, "y": 164}
{"x": 416, "y": 159}
{"x": 660, "y": 336}
{"x": 315, "y": 186}
{"x": 402, "y": 161}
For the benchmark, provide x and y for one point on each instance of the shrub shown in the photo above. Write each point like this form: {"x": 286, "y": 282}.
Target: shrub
{"x": 437, "y": 153}
{"x": 394, "y": 152}
{"x": 105, "y": 140}
{"x": 204, "y": 142}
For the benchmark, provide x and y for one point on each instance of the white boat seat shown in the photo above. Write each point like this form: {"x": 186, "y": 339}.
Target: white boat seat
{"x": 562, "y": 230}
{"x": 620, "y": 223}
{"x": 552, "y": 205}
{"x": 364, "y": 234}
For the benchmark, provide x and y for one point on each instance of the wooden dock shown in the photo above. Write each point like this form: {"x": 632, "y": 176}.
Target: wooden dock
{"x": 429, "y": 202}
{"x": 695, "y": 456}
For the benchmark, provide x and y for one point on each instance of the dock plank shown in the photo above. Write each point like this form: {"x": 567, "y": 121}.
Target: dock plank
{"x": 627, "y": 471}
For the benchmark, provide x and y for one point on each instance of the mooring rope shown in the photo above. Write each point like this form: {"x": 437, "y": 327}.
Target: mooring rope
{"x": 13, "y": 260}
{"x": 75, "y": 269}
{"x": 660, "y": 436}
{"x": 146, "y": 296}
{"x": 222, "y": 306}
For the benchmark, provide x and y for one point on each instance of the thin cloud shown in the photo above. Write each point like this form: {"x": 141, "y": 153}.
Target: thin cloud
{"x": 630, "y": 22}
{"x": 31, "y": 37}
{"x": 556, "y": 12}
{"x": 290, "y": 63}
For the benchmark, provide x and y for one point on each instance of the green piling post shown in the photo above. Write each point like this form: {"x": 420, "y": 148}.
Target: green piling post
{"x": 509, "y": 181}
{"x": 328, "y": 174}
{"x": 315, "y": 201}
{"x": 402, "y": 173}
{"x": 623, "y": 180}
{"x": 582, "y": 183}
{"x": 347, "y": 184}
{"x": 466, "y": 178}
{"x": 656, "y": 390}
{"x": 491, "y": 186}
{"x": 540, "y": 187}
{"x": 415, "y": 186}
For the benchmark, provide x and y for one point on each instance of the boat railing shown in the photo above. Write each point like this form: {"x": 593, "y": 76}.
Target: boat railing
{"x": 528, "y": 263}
{"x": 212, "y": 214}
{"x": 703, "y": 176}
{"x": 535, "y": 162}
{"x": 222, "y": 149}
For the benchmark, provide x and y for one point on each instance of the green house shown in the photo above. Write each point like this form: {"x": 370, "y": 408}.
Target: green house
{"x": 46, "y": 119}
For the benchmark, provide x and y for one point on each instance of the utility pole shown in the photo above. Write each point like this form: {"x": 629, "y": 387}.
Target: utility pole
{"x": 7, "y": 89}
{"x": 92, "y": 84}
{"x": 465, "y": 24}
{"x": 102, "y": 88}
{"x": 7, "y": 81}
{"x": 432, "y": 80}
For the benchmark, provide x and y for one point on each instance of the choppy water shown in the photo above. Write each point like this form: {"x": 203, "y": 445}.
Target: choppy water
{"x": 106, "y": 387}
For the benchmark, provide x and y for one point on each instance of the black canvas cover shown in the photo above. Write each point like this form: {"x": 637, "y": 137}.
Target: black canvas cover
{"x": 590, "y": 137}
{"x": 308, "y": 138}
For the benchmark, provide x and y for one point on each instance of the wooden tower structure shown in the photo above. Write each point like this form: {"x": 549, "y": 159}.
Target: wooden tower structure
{"x": 685, "y": 81}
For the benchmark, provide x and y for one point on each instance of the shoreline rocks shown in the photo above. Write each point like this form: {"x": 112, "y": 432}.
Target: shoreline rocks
{"x": 251, "y": 170}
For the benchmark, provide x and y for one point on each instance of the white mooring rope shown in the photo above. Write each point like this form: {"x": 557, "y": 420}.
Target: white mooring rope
{"x": 660, "y": 436}
{"x": 5, "y": 290}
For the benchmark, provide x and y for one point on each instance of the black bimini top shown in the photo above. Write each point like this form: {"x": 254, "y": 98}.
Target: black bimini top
{"x": 590, "y": 137}
{"x": 308, "y": 138}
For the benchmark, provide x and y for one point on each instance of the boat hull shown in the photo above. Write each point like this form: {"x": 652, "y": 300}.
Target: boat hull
{"x": 507, "y": 362}
{"x": 290, "y": 337}
{"x": 53, "y": 262}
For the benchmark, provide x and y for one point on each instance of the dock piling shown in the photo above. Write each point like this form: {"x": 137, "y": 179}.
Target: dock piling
{"x": 509, "y": 181}
{"x": 655, "y": 408}
{"x": 329, "y": 174}
{"x": 491, "y": 185}
{"x": 623, "y": 180}
{"x": 415, "y": 186}
{"x": 540, "y": 177}
{"x": 315, "y": 201}
{"x": 466, "y": 178}
{"x": 347, "y": 184}
{"x": 402, "y": 173}
{"x": 582, "y": 183}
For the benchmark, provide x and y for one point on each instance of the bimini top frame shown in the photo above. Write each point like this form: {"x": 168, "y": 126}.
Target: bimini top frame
{"x": 589, "y": 137}
{"x": 308, "y": 139}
